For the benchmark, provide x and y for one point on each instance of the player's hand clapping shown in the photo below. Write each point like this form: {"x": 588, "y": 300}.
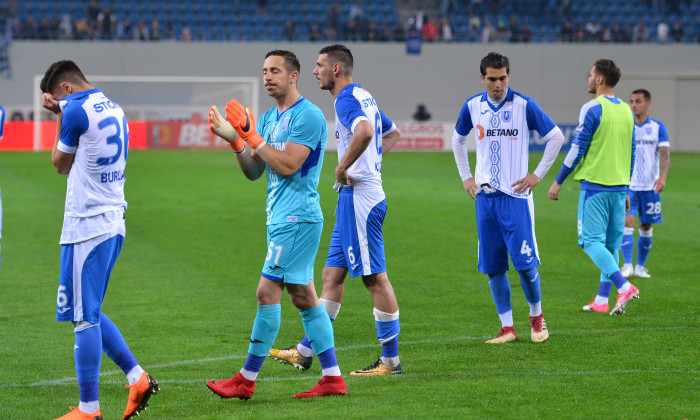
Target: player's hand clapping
{"x": 243, "y": 120}
{"x": 222, "y": 128}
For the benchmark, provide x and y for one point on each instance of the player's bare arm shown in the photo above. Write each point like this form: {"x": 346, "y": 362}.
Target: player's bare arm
{"x": 665, "y": 158}
{"x": 390, "y": 140}
{"x": 358, "y": 144}
{"x": 471, "y": 187}
{"x": 526, "y": 184}
{"x": 553, "y": 193}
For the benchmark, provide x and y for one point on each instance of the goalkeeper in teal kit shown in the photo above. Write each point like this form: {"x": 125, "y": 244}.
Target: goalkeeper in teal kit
{"x": 288, "y": 145}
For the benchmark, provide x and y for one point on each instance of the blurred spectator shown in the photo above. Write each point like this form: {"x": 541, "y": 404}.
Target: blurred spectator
{"x": 141, "y": 33}
{"x": 399, "y": 34}
{"x": 92, "y": 12}
{"x": 373, "y": 32}
{"x": 605, "y": 34}
{"x": 446, "y": 33}
{"x": 65, "y": 27}
{"x": 474, "y": 26}
{"x": 431, "y": 31}
{"x": 11, "y": 18}
{"x": 107, "y": 23}
{"x": 527, "y": 33}
{"x": 662, "y": 32}
{"x": 501, "y": 31}
{"x": 186, "y": 34}
{"x": 626, "y": 33}
{"x": 567, "y": 32}
{"x": 421, "y": 113}
{"x": 445, "y": 8}
{"x": 640, "y": 32}
{"x": 677, "y": 32}
{"x": 170, "y": 31}
{"x": 82, "y": 30}
{"x": 580, "y": 34}
{"x": 44, "y": 30}
{"x": 352, "y": 32}
{"x": 419, "y": 18}
{"x": 617, "y": 33}
{"x": 513, "y": 34}
{"x": 332, "y": 28}
{"x": 593, "y": 31}
{"x": 357, "y": 13}
{"x": 289, "y": 31}
{"x": 385, "y": 34}
{"x": 155, "y": 30}
{"x": 488, "y": 34}
{"x": 315, "y": 34}
{"x": 124, "y": 30}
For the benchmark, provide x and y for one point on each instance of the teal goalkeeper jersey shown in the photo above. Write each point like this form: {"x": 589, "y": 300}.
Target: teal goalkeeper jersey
{"x": 295, "y": 199}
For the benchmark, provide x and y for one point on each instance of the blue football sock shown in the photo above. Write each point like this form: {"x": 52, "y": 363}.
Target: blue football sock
{"x": 88, "y": 355}
{"x": 114, "y": 345}
{"x": 265, "y": 329}
{"x": 253, "y": 363}
{"x": 530, "y": 281}
{"x": 500, "y": 290}
{"x": 605, "y": 286}
{"x": 628, "y": 246}
{"x": 328, "y": 359}
{"x": 318, "y": 329}
{"x": 643, "y": 246}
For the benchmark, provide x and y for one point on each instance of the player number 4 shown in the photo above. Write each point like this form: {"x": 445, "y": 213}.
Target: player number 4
{"x": 525, "y": 249}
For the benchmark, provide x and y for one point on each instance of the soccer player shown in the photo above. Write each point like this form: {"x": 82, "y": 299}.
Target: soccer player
{"x": 647, "y": 182}
{"x": 363, "y": 134}
{"x": 92, "y": 140}
{"x": 502, "y": 188}
{"x": 289, "y": 146}
{"x": 602, "y": 153}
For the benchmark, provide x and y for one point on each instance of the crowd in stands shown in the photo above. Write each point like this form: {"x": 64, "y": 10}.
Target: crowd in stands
{"x": 486, "y": 21}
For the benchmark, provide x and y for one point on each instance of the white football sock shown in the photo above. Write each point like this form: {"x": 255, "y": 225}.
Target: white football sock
{"x": 134, "y": 374}
{"x": 506, "y": 319}
{"x": 89, "y": 407}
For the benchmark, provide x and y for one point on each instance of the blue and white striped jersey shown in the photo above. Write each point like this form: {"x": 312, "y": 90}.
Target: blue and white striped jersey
{"x": 352, "y": 105}
{"x": 650, "y": 136}
{"x": 95, "y": 130}
{"x": 503, "y": 137}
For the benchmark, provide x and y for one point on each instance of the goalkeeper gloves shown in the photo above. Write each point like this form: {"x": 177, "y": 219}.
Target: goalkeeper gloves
{"x": 222, "y": 128}
{"x": 243, "y": 121}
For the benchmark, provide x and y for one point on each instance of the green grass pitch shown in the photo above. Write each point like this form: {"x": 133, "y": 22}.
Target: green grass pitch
{"x": 183, "y": 295}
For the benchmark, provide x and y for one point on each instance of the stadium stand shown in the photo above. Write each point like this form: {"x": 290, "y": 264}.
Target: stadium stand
{"x": 546, "y": 21}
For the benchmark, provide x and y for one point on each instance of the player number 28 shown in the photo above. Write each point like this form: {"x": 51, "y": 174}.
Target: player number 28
{"x": 654, "y": 208}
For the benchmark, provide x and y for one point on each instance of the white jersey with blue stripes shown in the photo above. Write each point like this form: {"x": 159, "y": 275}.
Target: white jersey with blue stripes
{"x": 96, "y": 131}
{"x": 353, "y": 105}
{"x": 650, "y": 136}
{"x": 503, "y": 137}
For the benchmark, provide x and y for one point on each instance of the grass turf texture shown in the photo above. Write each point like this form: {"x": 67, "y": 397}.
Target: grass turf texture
{"x": 183, "y": 295}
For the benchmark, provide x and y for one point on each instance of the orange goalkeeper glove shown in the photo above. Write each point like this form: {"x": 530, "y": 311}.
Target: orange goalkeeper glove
{"x": 222, "y": 128}
{"x": 243, "y": 121}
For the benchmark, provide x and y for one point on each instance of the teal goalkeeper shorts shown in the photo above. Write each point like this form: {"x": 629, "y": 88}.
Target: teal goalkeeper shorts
{"x": 601, "y": 218}
{"x": 291, "y": 252}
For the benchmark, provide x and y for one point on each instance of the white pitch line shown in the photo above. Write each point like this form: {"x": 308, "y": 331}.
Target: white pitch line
{"x": 73, "y": 379}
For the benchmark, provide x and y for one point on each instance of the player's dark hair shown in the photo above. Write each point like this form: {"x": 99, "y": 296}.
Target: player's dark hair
{"x": 61, "y": 71}
{"x": 495, "y": 61}
{"x": 647, "y": 95}
{"x": 338, "y": 53}
{"x": 290, "y": 59}
{"x": 609, "y": 70}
